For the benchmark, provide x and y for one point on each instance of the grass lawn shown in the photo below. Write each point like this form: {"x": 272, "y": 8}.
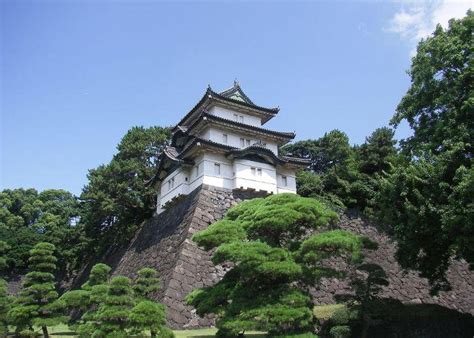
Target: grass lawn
{"x": 324, "y": 312}
{"x": 321, "y": 311}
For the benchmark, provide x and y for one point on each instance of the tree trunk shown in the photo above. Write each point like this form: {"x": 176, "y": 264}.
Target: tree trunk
{"x": 152, "y": 333}
{"x": 45, "y": 331}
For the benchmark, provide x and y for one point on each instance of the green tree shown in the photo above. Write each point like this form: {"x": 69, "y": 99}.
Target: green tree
{"x": 36, "y": 303}
{"x": 147, "y": 314}
{"x": 117, "y": 199}
{"x": 146, "y": 283}
{"x": 28, "y": 217}
{"x": 273, "y": 259}
{"x": 82, "y": 304}
{"x": 5, "y": 300}
{"x": 150, "y": 316}
{"x": 429, "y": 202}
{"x": 114, "y": 312}
{"x": 375, "y": 158}
{"x": 378, "y": 153}
{"x": 331, "y": 171}
{"x": 331, "y": 150}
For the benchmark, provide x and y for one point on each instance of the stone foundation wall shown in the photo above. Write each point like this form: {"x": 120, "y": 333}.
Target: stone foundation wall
{"x": 405, "y": 286}
{"x": 164, "y": 243}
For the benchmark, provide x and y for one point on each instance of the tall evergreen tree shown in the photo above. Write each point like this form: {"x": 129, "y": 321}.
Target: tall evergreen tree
{"x": 114, "y": 312}
{"x": 148, "y": 315}
{"x": 117, "y": 199}
{"x": 146, "y": 283}
{"x": 82, "y": 304}
{"x": 36, "y": 303}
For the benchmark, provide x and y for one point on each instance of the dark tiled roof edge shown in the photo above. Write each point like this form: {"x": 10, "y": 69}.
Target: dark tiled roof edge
{"x": 288, "y": 135}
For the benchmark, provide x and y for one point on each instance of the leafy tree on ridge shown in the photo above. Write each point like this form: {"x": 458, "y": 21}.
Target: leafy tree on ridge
{"x": 116, "y": 199}
{"x": 428, "y": 202}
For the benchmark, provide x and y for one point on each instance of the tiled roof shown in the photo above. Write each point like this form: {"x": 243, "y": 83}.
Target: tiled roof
{"x": 210, "y": 94}
{"x": 286, "y": 135}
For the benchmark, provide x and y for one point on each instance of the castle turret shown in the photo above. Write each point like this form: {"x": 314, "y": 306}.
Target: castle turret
{"x": 221, "y": 142}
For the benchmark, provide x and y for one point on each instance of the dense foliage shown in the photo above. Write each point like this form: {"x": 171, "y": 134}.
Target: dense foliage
{"x": 28, "y": 217}
{"x": 4, "y": 297}
{"x": 342, "y": 175}
{"x": 274, "y": 256}
{"x": 117, "y": 199}
{"x": 116, "y": 307}
{"x": 429, "y": 201}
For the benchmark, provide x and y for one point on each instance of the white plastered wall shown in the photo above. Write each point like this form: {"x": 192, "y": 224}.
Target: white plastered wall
{"x": 234, "y": 139}
{"x": 254, "y": 175}
{"x": 230, "y": 115}
{"x": 290, "y": 175}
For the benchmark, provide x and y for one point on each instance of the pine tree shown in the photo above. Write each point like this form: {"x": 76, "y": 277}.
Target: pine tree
{"x": 147, "y": 314}
{"x": 86, "y": 300}
{"x": 36, "y": 303}
{"x": 274, "y": 256}
{"x": 113, "y": 314}
{"x": 146, "y": 283}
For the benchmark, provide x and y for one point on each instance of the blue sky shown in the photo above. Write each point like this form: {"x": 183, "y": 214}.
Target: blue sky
{"x": 76, "y": 75}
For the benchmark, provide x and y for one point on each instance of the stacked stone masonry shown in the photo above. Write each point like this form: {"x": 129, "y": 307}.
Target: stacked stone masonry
{"x": 164, "y": 243}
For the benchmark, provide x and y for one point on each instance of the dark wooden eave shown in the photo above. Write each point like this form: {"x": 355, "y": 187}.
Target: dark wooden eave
{"x": 212, "y": 96}
{"x": 206, "y": 118}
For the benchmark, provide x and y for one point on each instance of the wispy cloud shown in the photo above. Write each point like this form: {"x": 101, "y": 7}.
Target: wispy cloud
{"x": 417, "y": 19}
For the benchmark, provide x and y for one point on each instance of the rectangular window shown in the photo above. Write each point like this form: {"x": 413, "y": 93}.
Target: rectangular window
{"x": 242, "y": 143}
{"x": 217, "y": 168}
{"x": 171, "y": 183}
{"x": 247, "y": 141}
{"x": 197, "y": 170}
{"x": 241, "y": 119}
{"x": 224, "y": 138}
{"x": 284, "y": 181}
{"x": 252, "y": 171}
{"x": 236, "y": 117}
{"x": 259, "y": 171}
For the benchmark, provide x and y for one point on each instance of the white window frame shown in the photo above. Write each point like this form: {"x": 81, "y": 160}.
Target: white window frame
{"x": 225, "y": 138}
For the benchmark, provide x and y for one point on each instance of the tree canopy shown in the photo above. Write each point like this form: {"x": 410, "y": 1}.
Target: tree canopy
{"x": 117, "y": 199}
{"x": 28, "y": 217}
{"x": 273, "y": 255}
{"x": 428, "y": 202}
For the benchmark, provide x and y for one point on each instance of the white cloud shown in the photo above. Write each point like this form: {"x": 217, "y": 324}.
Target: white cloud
{"x": 418, "y": 19}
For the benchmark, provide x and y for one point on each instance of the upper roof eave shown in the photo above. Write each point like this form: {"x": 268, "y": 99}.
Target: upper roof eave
{"x": 212, "y": 95}
{"x": 284, "y": 136}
